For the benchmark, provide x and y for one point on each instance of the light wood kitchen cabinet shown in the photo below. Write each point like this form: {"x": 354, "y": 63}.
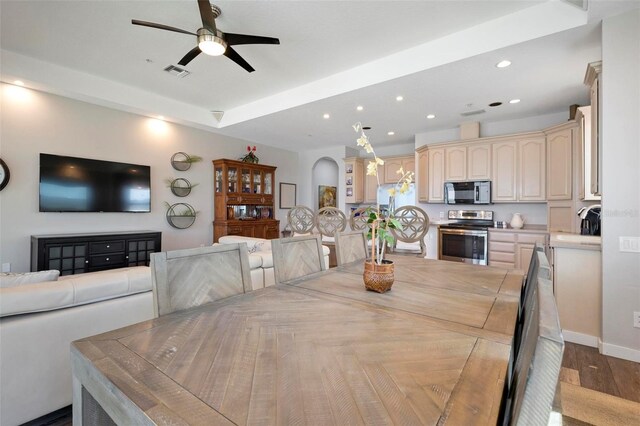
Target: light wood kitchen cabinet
{"x": 532, "y": 169}
{"x": 559, "y": 162}
{"x": 392, "y": 165}
{"x": 513, "y": 249}
{"x": 479, "y": 161}
{"x": 371, "y": 186}
{"x": 423, "y": 176}
{"x": 455, "y": 163}
{"x": 583, "y": 147}
{"x": 354, "y": 180}
{"x": 504, "y": 171}
{"x": 591, "y": 79}
{"x": 436, "y": 175}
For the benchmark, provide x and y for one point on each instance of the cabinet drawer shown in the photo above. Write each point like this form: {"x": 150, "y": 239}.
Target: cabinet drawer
{"x": 502, "y": 236}
{"x": 502, "y": 257}
{"x": 106, "y": 260}
{"x": 504, "y": 265}
{"x": 106, "y": 247}
{"x": 532, "y": 239}
{"x": 503, "y": 247}
{"x": 234, "y": 230}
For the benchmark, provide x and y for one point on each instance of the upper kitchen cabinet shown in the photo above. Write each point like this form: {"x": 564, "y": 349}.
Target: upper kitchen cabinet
{"x": 559, "y": 161}
{"x": 354, "y": 180}
{"x": 436, "y": 166}
{"x": 583, "y": 147}
{"x": 371, "y": 185}
{"x": 392, "y": 165}
{"x": 519, "y": 169}
{"x": 479, "y": 161}
{"x": 455, "y": 163}
{"x": 423, "y": 176}
{"x": 591, "y": 79}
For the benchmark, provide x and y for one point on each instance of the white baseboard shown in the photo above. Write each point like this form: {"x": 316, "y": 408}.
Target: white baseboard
{"x": 620, "y": 352}
{"x": 580, "y": 338}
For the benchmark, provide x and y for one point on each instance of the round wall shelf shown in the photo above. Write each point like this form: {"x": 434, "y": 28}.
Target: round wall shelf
{"x": 181, "y": 161}
{"x": 181, "y": 187}
{"x": 181, "y": 215}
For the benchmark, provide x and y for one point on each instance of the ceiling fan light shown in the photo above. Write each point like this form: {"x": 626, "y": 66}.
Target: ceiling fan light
{"x": 210, "y": 44}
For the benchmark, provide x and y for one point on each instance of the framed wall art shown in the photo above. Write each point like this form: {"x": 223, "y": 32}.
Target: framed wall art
{"x": 326, "y": 196}
{"x": 287, "y": 195}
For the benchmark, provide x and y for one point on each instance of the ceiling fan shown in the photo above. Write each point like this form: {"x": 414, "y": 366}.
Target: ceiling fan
{"x": 212, "y": 41}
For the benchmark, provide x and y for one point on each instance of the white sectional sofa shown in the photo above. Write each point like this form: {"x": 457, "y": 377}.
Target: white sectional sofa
{"x": 39, "y": 321}
{"x": 260, "y": 253}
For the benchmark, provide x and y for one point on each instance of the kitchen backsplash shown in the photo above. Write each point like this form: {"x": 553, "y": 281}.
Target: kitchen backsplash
{"x": 533, "y": 213}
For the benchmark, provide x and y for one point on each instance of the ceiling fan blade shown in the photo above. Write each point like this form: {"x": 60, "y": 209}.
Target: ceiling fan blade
{"x": 160, "y": 26}
{"x": 189, "y": 56}
{"x": 233, "y": 55}
{"x": 236, "y": 39}
{"x": 208, "y": 18}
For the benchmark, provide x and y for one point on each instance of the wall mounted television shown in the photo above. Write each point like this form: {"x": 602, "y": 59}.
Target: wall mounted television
{"x": 70, "y": 184}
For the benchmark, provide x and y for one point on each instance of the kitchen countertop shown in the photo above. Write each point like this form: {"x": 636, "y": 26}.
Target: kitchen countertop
{"x": 528, "y": 229}
{"x": 575, "y": 241}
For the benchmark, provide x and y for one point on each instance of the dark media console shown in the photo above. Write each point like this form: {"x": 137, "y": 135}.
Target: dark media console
{"x": 78, "y": 253}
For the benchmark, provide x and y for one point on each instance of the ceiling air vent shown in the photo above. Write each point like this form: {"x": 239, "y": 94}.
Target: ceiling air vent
{"x": 474, "y": 112}
{"x": 177, "y": 71}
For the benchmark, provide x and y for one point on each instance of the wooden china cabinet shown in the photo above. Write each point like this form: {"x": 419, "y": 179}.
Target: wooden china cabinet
{"x": 243, "y": 200}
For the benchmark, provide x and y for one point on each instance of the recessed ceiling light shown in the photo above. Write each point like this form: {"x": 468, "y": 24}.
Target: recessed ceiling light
{"x": 431, "y": 116}
{"x": 495, "y": 104}
{"x": 399, "y": 98}
{"x": 18, "y": 83}
{"x": 325, "y": 116}
{"x": 359, "y": 108}
{"x": 391, "y": 133}
{"x": 503, "y": 64}
{"x": 514, "y": 101}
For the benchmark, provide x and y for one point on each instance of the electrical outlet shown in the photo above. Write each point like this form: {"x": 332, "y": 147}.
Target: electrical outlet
{"x": 636, "y": 319}
{"x": 441, "y": 215}
{"x": 6, "y": 267}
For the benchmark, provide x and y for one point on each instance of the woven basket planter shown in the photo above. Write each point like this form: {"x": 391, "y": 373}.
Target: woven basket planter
{"x": 378, "y": 278}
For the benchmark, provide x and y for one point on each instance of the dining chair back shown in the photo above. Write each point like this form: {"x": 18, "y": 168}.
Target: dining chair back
{"x": 538, "y": 363}
{"x": 350, "y": 246}
{"x": 415, "y": 225}
{"x": 300, "y": 220}
{"x": 330, "y": 220}
{"x": 183, "y": 279}
{"x": 358, "y": 220}
{"x": 297, "y": 257}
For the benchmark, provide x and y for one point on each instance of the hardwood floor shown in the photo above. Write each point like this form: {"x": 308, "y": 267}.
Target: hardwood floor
{"x": 595, "y": 390}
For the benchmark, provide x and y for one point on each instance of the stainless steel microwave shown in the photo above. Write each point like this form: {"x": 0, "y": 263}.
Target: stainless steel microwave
{"x": 478, "y": 192}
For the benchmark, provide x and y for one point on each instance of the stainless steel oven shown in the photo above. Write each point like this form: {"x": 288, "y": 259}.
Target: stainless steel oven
{"x": 465, "y": 237}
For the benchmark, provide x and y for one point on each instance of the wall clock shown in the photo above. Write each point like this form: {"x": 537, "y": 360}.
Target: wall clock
{"x": 4, "y": 174}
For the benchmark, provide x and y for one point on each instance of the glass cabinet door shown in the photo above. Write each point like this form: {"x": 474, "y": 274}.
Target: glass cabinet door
{"x": 268, "y": 183}
{"x": 232, "y": 176}
{"x": 246, "y": 181}
{"x": 218, "y": 179}
{"x": 257, "y": 182}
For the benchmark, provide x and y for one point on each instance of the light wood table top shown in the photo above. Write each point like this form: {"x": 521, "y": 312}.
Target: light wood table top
{"x": 319, "y": 351}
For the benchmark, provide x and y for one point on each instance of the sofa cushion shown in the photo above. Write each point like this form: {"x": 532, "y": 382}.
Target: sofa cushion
{"x": 255, "y": 261}
{"x": 267, "y": 258}
{"x": 253, "y": 244}
{"x": 73, "y": 290}
{"x": 17, "y": 279}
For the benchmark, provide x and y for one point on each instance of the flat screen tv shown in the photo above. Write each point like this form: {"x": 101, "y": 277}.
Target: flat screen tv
{"x": 70, "y": 184}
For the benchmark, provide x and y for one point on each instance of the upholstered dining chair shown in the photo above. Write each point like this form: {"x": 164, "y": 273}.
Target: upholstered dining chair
{"x": 328, "y": 221}
{"x": 297, "y": 257}
{"x": 350, "y": 246}
{"x": 537, "y": 366}
{"x": 184, "y": 279}
{"x": 300, "y": 220}
{"x": 415, "y": 225}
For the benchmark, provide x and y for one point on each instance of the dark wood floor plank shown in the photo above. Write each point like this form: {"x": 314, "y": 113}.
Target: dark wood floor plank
{"x": 595, "y": 373}
{"x": 627, "y": 377}
{"x": 569, "y": 358}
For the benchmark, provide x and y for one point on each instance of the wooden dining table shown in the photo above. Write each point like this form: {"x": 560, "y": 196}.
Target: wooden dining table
{"x": 319, "y": 350}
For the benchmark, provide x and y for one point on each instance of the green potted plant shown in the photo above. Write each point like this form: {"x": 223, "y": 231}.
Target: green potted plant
{"x": 378, "y": 271}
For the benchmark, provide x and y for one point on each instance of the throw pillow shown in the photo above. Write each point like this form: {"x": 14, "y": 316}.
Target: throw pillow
{"x": 256, "y": 247}
{"x": 17, "y": 279}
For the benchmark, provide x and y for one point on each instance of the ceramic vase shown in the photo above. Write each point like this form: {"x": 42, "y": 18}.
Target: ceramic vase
{"x": 517, "y": 221}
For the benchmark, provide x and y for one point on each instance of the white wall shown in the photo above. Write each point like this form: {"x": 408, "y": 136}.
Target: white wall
{"x": 33, "y": 122}
{"x": 325, "y": 172}
{"x": 307, "y": 192}
{"x": 620, "y": 146}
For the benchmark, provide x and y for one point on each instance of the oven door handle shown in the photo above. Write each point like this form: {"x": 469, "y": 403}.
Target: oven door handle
{"x": 463, "y": 232}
